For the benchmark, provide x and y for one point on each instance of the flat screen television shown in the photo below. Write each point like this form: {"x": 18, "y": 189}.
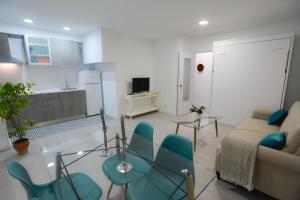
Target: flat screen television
{"x": 140, "y": 85}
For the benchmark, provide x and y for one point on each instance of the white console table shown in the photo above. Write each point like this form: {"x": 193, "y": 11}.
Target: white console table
{"x": 138, "y": 104}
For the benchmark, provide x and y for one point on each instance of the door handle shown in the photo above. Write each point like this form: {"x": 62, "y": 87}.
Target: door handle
{"x": 180, "y": 85}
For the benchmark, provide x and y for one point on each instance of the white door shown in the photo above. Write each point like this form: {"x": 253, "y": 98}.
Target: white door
{"x": 93, "y": 98}
{"x": 184, "y": 86}
{"x": 248, "y": 76}
{"x": 202, "y": 80}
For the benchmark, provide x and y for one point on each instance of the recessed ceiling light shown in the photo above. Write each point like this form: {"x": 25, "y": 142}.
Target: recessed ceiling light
{"x": 51, "y": 164}
{"x": 203, "y": 22}
{"x": 29, "y": 21}
{"x": 80, "y": 152}
{"x": 66, "y": 28}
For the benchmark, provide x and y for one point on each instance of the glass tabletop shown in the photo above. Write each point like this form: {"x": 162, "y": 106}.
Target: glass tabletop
{"x": 163, "y": 176}
{"x": 195, "y": 121}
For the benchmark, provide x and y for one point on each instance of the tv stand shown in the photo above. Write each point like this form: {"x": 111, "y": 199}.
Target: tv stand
{"x": 141, "y": 103}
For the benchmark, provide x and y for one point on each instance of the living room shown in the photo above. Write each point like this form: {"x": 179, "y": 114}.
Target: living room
{"x": 105, "y": 94}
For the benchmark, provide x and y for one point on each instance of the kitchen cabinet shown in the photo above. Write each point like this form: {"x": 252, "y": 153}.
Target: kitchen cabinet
{"x": 52, "y": 107}
{"x": 65, "y": 53}
{"x": 92, "y": 47}
{"x": 37, "y": 50}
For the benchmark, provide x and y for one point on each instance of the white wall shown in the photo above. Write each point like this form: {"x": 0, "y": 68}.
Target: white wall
{"x": 202, "y": 80}
{"x": 44, "y": 77}
{"x": 92, "y": 47}
{"x": 165, "y": 72}
{"x": 132, "y": 57}
{"x": 205, "y": 44}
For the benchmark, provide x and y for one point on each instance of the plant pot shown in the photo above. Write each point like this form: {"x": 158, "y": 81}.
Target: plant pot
{"x": 21, "y": 146}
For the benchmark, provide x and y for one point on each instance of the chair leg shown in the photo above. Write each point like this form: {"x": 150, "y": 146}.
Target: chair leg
{"x": 125, "y": 191}
{"x": 109, "y": 190}
{"x": 216, "y": 126}
{"x": 177, "y": 128}
{"x": 195, "y": 138}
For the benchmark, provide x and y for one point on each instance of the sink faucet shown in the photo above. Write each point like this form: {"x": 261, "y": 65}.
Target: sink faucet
{"x": 67, "y": 84}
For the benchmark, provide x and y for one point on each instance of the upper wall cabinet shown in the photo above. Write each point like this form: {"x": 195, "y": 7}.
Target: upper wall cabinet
{"x": 38, "y": 50}
{"x": 65, "y": 53}
{"x": 92, "y": 47}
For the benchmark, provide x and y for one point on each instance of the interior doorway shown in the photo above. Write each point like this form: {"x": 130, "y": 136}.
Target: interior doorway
{"x": 184, "y": 83}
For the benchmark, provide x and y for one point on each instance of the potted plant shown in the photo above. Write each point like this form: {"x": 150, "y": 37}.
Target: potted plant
{"x": 197, "y": 111}
{"x": 13, "y": 100}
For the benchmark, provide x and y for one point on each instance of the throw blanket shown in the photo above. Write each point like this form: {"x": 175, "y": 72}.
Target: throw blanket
{"x": 238, "y": 161}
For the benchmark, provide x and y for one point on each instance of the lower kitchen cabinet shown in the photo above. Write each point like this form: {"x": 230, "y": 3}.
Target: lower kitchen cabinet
{"x": 54, "y": 107}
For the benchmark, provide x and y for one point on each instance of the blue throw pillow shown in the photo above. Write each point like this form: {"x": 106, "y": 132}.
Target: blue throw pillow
{"x": 277, "y": 117}
{"x": 275, "y": 140}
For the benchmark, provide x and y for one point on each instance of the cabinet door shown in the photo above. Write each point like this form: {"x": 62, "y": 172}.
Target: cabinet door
{"x": 57, "y": 52}
{"x": 71, "y": 53}
{"x": 76, "y": 53}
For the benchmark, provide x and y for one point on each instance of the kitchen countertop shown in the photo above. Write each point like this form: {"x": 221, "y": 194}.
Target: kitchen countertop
{"x": 48, "y": 91}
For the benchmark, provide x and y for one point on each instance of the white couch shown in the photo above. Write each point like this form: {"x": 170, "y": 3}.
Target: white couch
{"x": 277, "y": 173}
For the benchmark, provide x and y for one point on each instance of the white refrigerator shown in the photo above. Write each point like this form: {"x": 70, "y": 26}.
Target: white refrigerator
{"x": 90, "y": 81}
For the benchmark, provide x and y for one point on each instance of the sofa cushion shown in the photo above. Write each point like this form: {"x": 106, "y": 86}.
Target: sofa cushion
{"x": 291, "y": 125}
{"x": 277, "y": 117}
{"x": 275, "y": 140}
{"x": 258, "y": 125}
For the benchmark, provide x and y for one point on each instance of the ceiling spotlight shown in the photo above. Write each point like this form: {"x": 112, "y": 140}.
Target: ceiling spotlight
{"x": 51, "y": 164}
{"x": 66, "y": 28}
{"x": 29, "y": 21}
{"x": 80, "y": 152}
{"x": 203, "y": 22}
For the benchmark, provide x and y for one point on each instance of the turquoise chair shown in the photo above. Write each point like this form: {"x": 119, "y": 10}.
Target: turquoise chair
{"x": 58, "y": 189}
{"x": 141, "y": 144}
{"x": 142, "y": 140}
{"x": 175, "y": 153}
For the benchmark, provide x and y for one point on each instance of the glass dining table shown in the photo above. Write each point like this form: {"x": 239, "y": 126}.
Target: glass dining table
{"x": 167, "y": 176}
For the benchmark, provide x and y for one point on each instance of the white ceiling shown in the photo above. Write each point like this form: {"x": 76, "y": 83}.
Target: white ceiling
{"x": 148, "y": 18}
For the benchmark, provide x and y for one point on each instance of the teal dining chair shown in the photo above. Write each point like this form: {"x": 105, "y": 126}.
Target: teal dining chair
{"x": 174, "y": 154}
{"x": 142, "y": 140}
{"x": 139, "y": 149}
{"x": 58, "y": 189}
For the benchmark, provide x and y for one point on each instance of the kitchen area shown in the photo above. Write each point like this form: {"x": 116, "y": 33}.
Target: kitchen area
{"x": 67, "y": 84}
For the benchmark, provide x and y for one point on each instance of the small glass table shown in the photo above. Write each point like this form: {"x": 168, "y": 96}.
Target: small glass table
{"x": 196, "y": 122}
{"x": 81, "y": 155}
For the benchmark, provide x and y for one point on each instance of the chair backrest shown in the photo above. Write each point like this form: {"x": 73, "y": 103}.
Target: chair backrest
{"x": 142, "y": 139}
{"x": 144, "y": 130}
{"x": 176, "y": 152}
{"x": 17, "y": 171}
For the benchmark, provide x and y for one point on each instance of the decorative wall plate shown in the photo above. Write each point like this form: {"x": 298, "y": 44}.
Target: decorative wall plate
{"x": 200, "y": 67}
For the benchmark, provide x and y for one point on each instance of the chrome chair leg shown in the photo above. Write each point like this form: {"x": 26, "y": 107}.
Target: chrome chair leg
{"x": 109, "y": 190}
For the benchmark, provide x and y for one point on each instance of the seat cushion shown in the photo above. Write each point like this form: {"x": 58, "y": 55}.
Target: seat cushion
{"x": 155, "y": 186}
{"x": 291, "y": 125}
{"x": 85, "y": 187}
{"x": 258, "y": 125}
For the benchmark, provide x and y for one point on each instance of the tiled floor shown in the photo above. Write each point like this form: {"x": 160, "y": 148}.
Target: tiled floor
{"x": 207, "y": 142}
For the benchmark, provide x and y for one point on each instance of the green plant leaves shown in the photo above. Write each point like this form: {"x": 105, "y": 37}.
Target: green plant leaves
{"x": 13, "y": 100}
{"x": 199, "y": 110}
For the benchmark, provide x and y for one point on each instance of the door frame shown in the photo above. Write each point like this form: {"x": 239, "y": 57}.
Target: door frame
{"x": 180, "y": 55}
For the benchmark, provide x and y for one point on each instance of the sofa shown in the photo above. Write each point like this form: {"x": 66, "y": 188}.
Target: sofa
{"x": 277, "y": 172}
